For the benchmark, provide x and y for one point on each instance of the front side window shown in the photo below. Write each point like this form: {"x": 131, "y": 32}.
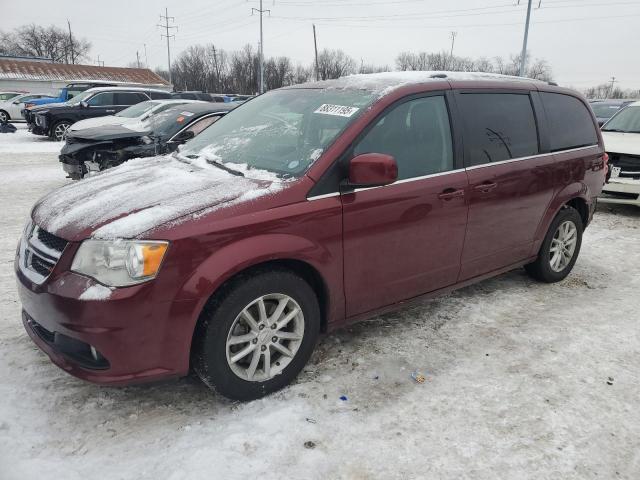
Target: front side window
{"x": 417, "y": 134}
{"x": 569, "y": 120}
{"x": 497, "y": 127}
{"x": 7, "y": 96}
{"x": 627, "y": 121}
{"x": 102, "y": 100}
{"x": 198, "y": 126}
{"x": 283, "y": 131}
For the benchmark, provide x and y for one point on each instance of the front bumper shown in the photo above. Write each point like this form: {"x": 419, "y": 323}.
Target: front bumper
{"x": 624, "y": 191}
{"x": 136, "y": 334}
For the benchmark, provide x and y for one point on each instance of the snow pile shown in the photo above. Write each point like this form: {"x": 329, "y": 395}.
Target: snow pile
{"x": 96, "y": 292}
{"x": 144, "y": 193}
{"x": 23, "y": 141}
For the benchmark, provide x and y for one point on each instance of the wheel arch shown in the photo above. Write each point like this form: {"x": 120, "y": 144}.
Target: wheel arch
{"x": 6, "y": 113}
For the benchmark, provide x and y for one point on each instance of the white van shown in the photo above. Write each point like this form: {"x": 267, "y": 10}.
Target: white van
{"x": 621, "y": 136}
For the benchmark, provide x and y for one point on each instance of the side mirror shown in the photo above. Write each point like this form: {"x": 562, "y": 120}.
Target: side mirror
{"x": 372, "y": 170}
{"x": 84, "y": 104}
{"x": 184, "y": 136}
{"x": 17, "y": 102}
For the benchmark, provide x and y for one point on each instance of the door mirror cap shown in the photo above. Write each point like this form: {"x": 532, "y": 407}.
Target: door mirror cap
{"x": 84, "y": 104}
{"x": 372, "y": 170}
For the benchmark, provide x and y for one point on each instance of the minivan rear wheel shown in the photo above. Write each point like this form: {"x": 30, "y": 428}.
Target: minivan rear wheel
{"x": 560, "y": 248}
{"x": 255, "y": 336}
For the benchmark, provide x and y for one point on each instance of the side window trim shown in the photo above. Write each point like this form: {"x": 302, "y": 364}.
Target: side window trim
{"x": 338, "y": 168}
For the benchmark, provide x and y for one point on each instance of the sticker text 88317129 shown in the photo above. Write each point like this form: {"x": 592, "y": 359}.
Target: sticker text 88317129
{"x": 338, "y": 110}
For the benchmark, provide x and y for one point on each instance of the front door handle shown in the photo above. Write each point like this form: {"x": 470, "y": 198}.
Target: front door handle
{"x": 110, "y": 111}
{"x": 485, "y": 187}
{"x": 450, "y": 193}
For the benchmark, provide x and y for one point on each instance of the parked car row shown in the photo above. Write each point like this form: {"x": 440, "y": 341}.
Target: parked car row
{"x": 300, "y": 211}
{"x": 12, "y": 104}
{"x": 150, "y": 128}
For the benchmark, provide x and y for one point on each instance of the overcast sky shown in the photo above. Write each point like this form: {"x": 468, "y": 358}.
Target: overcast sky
{"x": 585, "y": 41}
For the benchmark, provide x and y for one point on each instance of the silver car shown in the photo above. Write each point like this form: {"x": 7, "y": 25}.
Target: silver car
{"x": 11, "y": 109}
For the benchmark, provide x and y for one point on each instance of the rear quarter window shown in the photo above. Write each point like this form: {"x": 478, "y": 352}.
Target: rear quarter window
{"x": 497, "y": 127}
{"x": 569, "y": 122}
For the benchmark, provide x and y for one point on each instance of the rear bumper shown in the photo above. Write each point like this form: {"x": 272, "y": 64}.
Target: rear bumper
{"x": 136, "y": 334}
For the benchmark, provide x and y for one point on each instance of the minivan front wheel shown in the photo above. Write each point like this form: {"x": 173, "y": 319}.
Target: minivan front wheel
{"x": 255, "y": 336}
{"x": 560, "y": 248}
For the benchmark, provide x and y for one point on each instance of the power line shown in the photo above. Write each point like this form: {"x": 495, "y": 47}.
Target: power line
{"x": 166, "y": 26}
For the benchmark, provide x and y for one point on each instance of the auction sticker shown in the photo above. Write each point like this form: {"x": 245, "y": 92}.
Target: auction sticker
{"x": 338, "y": 110}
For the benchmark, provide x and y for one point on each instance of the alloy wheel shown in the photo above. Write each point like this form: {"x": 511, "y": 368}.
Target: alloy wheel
{"x": 60, "y": 131}
{"x": 265, "y": 337}
{"x": 3, "y": 117}
{"x": 563, "y": 246}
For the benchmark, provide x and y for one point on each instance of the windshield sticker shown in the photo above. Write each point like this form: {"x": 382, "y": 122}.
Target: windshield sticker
{"x": 339, "y": 110}
{"x": 186, "y": 114}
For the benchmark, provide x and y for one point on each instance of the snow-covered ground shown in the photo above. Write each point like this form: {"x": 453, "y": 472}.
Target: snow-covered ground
{"x": 524, "y": 380}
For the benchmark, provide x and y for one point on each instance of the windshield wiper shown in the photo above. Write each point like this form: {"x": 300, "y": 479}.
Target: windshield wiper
{"x": 220, "y": 165}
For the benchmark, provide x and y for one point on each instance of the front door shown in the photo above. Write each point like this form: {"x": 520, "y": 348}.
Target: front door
{"x": 405, "y": 239}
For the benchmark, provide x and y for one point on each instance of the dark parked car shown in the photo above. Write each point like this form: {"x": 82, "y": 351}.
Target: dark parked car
{"x": 54, "y": 119}
{"x": 99, "y": 148}
{"x": 193, "y": 95}
{"x": 305, "y": 209}
{"x": 605, "y": 109}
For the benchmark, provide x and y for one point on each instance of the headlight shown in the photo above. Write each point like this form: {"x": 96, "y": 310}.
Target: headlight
{"x": 146, "y": 140}
{"x": 119, "y": 263}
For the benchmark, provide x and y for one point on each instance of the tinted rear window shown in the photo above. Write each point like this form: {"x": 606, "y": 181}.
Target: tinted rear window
{"x": 497, "y": 126}
{"x": 158, "y": 95}
{"x": 569, "y": 120}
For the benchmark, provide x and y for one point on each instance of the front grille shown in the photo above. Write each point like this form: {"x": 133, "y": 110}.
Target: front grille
{"x": 39, "y": 253}
{"x": 629, "y": 164}
{"x": 51, "y": 241}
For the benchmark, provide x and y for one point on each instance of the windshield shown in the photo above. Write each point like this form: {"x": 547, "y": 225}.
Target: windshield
{"x": 283, "y": 131}
{"x": 627, "y": 120}
{"x": 605, "y": 110}
{"x": 138, "y": 109}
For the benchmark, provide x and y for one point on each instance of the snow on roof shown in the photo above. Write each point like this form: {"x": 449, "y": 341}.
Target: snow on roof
{"x": 383, "y": 82}
{"x": 13, "y": 69}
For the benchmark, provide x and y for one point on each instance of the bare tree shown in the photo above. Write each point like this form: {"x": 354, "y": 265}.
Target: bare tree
{"x": 335, "y": 64}
{"x": 37, "y": 41}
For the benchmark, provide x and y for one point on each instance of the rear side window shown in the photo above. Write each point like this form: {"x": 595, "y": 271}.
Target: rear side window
{"x": 497, "y": 127}
{"x": 570, "y": 122}
{"x": 159, "y": 95}
{"x": 130, "y": 98}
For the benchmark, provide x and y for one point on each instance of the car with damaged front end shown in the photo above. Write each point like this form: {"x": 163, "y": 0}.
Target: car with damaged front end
{"x": 101, "y": 147}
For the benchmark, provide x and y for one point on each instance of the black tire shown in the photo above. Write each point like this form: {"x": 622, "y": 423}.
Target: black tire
{"x": 55, "y": 127}
{"x": 4, "y": 116}
{"x": 209, "y": 353}
{"x": 541, "y": 268}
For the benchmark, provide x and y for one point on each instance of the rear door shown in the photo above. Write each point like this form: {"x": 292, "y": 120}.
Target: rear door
{"x": 126, "y": 99}
{"x": 405, "y": 239}
{"x": 510, "y": 182}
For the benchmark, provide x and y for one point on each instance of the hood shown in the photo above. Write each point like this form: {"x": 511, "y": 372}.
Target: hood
{"x": 106, "y": 132}
{"x": 43, "y": 101}
{"x": 618, "y": 142}
{"x": 37, "y": 108}
{"x": 98, "y": 122}
{"x": 129, "y": 200}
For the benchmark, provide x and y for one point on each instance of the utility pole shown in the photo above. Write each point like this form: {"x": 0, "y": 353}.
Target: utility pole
{"x": 73, "y": 58}
{"x": 315, "y": 46}
{"x": 453, "y": 41}
{"x": 100, "y": 64}
{"x": 146, "y": 59}
{"x": 166, "y": 26}
{"x": 138, "y": 58}
{"x": 523, "y": 55}
{"x": 261, "y": 11}
{"x": 613, "y": 80}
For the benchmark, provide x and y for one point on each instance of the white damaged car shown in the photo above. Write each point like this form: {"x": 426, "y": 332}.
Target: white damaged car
{"x": 621, "y": 136}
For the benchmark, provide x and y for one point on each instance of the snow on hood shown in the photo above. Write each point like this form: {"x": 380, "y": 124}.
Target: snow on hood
{"x": 619, "y": 142}
{"x": 141, "y": 194}
{"x": 98, "y": 122}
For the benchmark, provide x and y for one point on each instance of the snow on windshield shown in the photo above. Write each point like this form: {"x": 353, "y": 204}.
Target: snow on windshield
{"x": 142, "y": 194}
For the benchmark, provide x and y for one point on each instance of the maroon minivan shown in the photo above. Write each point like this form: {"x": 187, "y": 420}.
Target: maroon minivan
{"x": 305, "y": 209}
